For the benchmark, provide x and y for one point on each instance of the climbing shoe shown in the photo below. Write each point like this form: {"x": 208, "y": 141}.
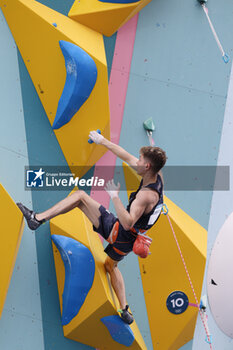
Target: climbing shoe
{"x": 29, "y": 215}
{"x": 126, "y": 316}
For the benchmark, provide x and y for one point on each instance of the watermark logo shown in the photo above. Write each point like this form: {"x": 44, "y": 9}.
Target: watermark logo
{"x": 35, "y": 178}
{"x": 176, "y": 178}
{"x": 60, "y": 178}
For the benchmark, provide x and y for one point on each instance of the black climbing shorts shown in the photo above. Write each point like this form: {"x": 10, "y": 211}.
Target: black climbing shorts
{"x": 125, "y": 239}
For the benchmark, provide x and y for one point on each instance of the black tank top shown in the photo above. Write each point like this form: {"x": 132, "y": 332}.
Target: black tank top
{"x": 146, "y": 221}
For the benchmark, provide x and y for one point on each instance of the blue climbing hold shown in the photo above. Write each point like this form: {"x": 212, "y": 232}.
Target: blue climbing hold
{"x": 120, "y": 1}
{"x": 90, "y": 140}
{"x": 55, "y": 24}
{"x": 119, "y": 330}
{"x": 81, "y": 75}
{"x": 79, "y": 275}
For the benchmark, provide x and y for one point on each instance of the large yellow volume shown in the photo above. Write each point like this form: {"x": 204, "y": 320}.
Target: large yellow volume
{"x": 11, "y": 231}
{"x": 104, "y": 17}
{"x": 163, "y": 272}
{"x": 86, "y": 327}
{"x": 37, "y": 31}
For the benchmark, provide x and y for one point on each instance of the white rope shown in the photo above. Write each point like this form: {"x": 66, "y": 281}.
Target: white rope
{"x": 208, "y": 335}
{"x": 203, "y": 319}
{"x": 224, "y": 55}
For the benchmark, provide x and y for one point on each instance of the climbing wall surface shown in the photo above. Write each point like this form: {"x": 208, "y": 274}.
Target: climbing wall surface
{"x": 11, "y": 234}
{"x": 171, "y": 282}
{"x": 219, "y": 215}
{"x": 105, "y": 17}
{"x": 21, "y": 322}
{"x": 181, "y": 81}
{"x": 178, "y": 77}
{"x": 63, "y": 88}
{"x": 97, "y": 301}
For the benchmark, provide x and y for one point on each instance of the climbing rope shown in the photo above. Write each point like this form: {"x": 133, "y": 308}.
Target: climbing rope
{"x": 224, "y": 55}
{"x": 149, "y": 127}
{"x": 190, "y": 281}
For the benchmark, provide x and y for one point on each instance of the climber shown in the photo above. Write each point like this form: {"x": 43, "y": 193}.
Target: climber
{"x": 121, "y": 232}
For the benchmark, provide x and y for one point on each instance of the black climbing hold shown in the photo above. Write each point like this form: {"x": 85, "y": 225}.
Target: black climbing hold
{"x": 202, "y": 1}
{"x": 212, "y": 282}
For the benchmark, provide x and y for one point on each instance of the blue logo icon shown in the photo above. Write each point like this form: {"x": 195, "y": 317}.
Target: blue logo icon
{"x": 177, "y": 302}
{"x": 35, "y": 178}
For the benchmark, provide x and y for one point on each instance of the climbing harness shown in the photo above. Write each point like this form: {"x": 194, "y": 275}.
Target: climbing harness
{"x": 225, "y": 57}
{"x": 164, "y": 211}
{"x": 114, "y": 233}
{"x": 201, "y": 312}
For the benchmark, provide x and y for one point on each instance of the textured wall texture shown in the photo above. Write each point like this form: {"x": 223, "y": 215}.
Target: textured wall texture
{"x": 177, "y": 77}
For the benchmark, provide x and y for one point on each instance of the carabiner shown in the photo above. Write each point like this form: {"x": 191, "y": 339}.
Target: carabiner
{"x": 210, "y": 339}
{"x": 225, "y": 58}
{"x": 163, "y": 211}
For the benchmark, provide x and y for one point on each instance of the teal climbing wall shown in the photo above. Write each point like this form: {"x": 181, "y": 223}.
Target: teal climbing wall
{"x": 177, "y": 77}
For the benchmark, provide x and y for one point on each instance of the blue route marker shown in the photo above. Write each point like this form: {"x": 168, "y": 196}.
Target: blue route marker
{"x": 177, "y": 302}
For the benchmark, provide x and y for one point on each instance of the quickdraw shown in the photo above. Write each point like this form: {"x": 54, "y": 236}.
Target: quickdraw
{"x": 204, "y": 320}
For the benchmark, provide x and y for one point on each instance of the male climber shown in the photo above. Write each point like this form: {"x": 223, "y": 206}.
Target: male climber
{"x": 121, "y": 232}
